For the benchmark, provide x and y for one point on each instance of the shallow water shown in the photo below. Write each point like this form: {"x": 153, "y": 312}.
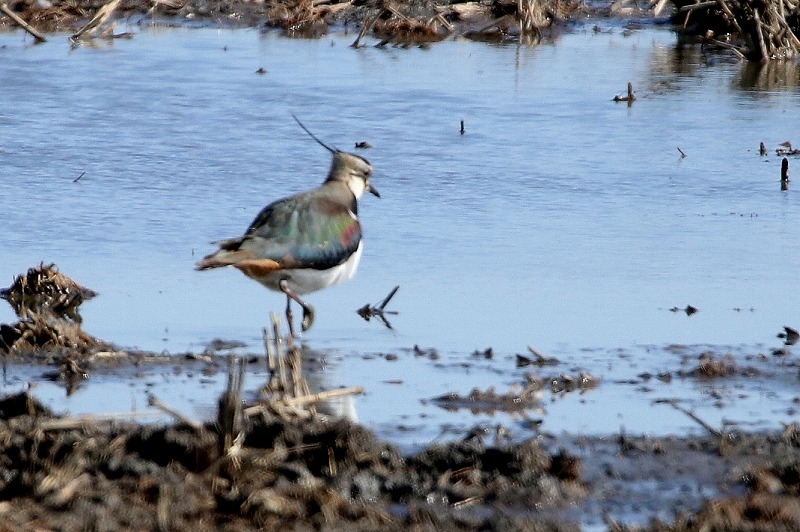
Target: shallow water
{"x": 560, "y": 219}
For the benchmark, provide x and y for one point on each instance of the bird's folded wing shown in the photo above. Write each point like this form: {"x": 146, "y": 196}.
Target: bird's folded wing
{"x": 317, "y": 234}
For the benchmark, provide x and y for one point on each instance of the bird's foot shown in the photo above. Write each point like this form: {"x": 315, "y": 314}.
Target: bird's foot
{"x": 308, "y": 317}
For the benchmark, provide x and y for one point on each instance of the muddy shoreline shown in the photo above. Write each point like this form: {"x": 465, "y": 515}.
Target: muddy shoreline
{"x": 410, "y": 22}
{"x": 301, "y": 469}
{"x": 272, "y": 460}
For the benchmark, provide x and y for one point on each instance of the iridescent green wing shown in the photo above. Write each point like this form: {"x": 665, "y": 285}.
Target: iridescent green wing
{"x": 305, "y": 231}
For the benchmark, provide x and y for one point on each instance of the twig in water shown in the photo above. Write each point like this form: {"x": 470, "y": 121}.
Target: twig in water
{"x": 674, "y": 404}
{"x": 24, "y": 25}
{"x": 379, "y": 311}
{"x": 79, "y": 177}
{"x": 463, "y": 130}
{"x": 683, "y": 155}
{"x": 785, "y": 174}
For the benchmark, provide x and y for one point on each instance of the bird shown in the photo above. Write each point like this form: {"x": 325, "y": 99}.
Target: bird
{"x": 307, "y": 241}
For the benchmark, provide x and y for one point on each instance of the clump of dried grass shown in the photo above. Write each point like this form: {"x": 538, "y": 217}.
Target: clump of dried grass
{"x": 45, "y": 290}
{"x": 46, "y": 301}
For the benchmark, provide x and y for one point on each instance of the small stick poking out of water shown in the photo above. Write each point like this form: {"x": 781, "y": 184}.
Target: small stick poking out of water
{"x": 630, "y": 97}
{"x": 463, "y": 129}
{"x": 784, "y": 174}
{"x": 762, "y": 150}
{"x": 379, "y": 311}
{"x": 683, "y": 155}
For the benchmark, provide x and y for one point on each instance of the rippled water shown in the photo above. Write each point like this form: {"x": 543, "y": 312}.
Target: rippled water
{"x": 560, "y": 219}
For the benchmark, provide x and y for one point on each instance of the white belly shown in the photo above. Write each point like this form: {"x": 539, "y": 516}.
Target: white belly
{"x": 306, "y": 281}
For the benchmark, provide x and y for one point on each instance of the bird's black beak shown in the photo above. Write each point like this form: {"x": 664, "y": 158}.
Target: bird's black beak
{"x": 372, "y": 190}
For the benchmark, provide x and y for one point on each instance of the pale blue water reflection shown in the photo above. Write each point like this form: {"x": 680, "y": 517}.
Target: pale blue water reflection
{"x": 560, "y": 219}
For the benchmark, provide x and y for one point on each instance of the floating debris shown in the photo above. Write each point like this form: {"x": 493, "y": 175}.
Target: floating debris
{"x": 689, "y": 310}
{"x": 711, "y": 366}
{"x": 785, "y": 148}
{"x": 539, "y": 359}
{"x": 629, "y": 97}
{"x": 518, "y": 399}
{"x": 363, "y": 145}
{"x": 565, "y": 382}
{"x": 379, "y": 311}
{"x": 789, "y": 335}
{"x": 487, "y": 353}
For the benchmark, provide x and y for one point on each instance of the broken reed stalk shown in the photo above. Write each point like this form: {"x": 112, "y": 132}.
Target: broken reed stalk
{"x": 229, "y": 417}
{"x": 366, "y": 27}
{"x": 305, "y": 399}
{"x": 72, "y": 423}
{"x": 21, "y": 23}
{"x": 280, "y": 350}
{"x": 155, "y": 402}
{"x": 674, "y": 404}
{"x": 99, "y": 19}
{"x": 272, "y": 364}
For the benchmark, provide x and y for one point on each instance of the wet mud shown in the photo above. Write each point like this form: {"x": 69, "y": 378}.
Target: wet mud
{"x": 282, "y": 472}
{"x": 272, "y": 461}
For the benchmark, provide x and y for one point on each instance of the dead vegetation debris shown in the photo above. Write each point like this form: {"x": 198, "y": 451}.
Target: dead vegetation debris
{"x": 399, "y": 23}
{"x": 520, "y": 398}
{"x": 281, "y": 473}
{"x": 758, "y": 30}
{"x": 49, "y": 328}
{"x": 45, "y": 290}
{"x": 711, "y": 366}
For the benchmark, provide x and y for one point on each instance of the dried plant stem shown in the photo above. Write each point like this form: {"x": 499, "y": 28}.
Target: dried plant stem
{"x": 71, "y": 423}
{"x": 99, "y": 19}
{"x": 24, "y": 25}
{"x": 157, "y": 403}
{"x": 674, "y": 404}
{"x": 304, "y": 399}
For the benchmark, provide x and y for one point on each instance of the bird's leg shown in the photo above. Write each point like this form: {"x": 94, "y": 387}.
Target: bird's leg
{"x": 308, "y": 310}
{"x": 289, "y": 315}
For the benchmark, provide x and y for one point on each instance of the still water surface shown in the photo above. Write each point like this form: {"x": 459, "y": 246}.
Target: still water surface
{"x": 560, "y": 219}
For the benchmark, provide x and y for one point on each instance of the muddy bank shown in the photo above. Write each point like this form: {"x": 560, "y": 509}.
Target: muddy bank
{"x": 407, "y": 22}
{"x": 280, "y": 472}
{"x": 270, "y": 460}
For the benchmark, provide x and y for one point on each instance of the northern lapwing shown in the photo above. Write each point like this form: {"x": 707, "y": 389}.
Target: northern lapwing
{"x": 305, "y": 242}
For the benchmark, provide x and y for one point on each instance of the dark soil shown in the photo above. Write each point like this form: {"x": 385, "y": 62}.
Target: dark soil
{"x": 283, "y": 473}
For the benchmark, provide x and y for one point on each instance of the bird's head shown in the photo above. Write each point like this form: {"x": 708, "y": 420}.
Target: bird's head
{"x": 353, "y": 170}
{"x": 348, "y": 168}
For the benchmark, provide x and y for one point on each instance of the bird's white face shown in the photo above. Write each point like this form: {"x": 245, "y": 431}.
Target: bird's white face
{"x": 359, "y": 172}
